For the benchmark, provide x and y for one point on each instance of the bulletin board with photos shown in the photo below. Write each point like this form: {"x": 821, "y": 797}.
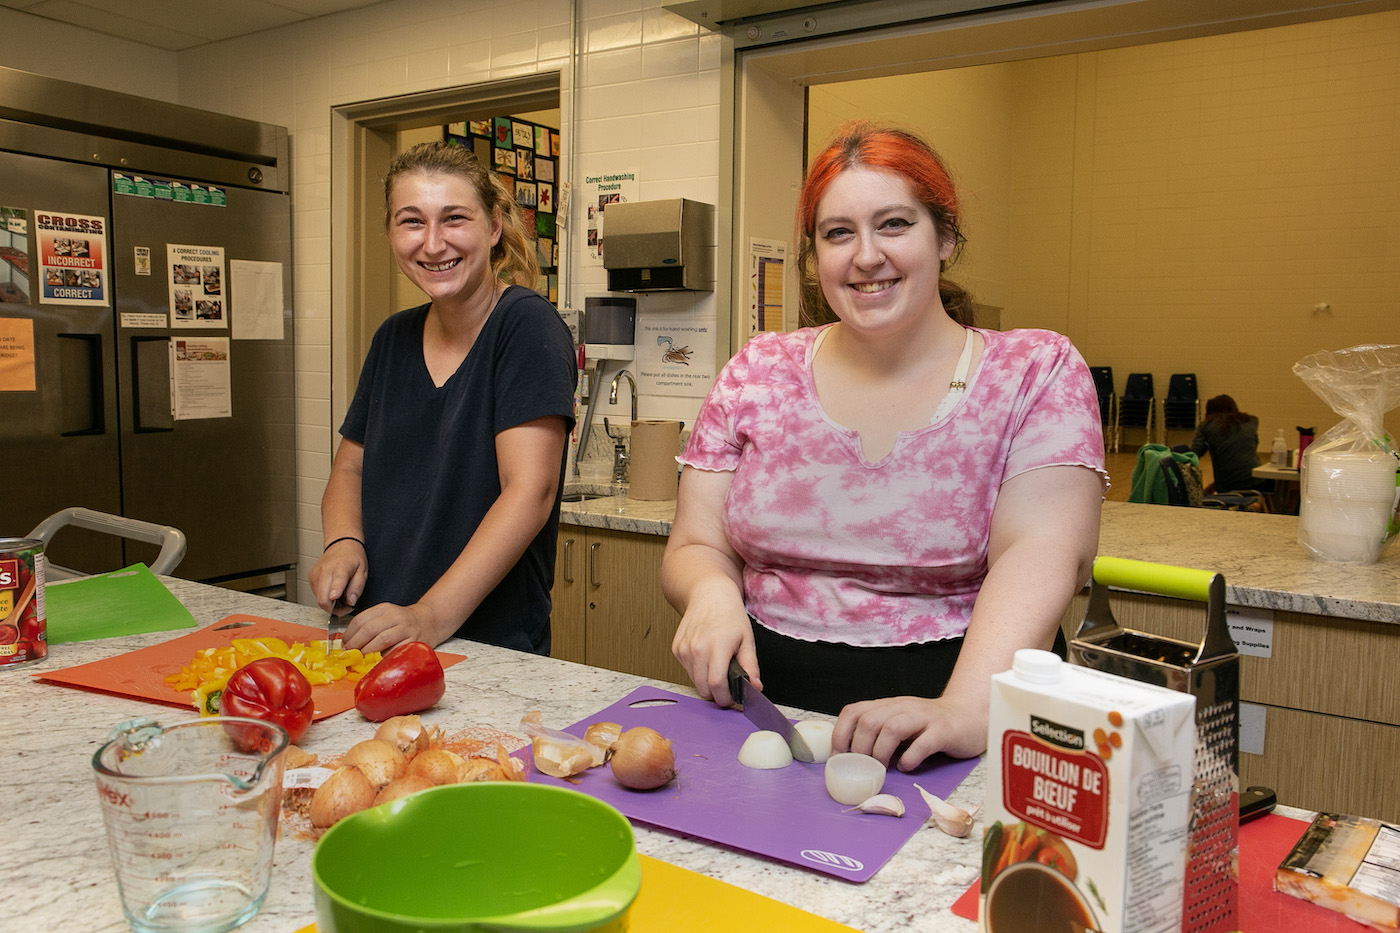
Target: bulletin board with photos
{"x": 525, "y": 156}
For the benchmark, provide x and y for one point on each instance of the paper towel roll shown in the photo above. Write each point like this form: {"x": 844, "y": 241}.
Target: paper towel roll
{"x": 652, "y": 470}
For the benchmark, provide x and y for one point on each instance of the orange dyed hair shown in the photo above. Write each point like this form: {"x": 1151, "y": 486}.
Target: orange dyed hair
{"x": 887, "y": 149}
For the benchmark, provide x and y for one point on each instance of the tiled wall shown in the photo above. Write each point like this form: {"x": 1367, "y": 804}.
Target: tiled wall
{"x": 647, "y": 95}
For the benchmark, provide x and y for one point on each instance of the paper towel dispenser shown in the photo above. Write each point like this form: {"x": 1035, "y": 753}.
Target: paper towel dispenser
{"x": 655, "y": 246}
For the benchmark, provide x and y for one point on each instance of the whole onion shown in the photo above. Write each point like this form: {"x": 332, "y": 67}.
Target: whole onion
{"x": 437, "y": 765}
{"x": 408, "y": 784}
{"x": 380, "y": 761}
{"x": 642, "y": 759}
{"x": 345, "y": 792}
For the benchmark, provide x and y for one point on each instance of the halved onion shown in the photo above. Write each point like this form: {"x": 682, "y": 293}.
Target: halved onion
{"x": 765, "y": 751}
{"x": 817, "y": 734}
{"x": 852, "y": 778}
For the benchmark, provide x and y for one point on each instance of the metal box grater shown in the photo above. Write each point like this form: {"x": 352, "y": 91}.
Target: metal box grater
{"x": 1210, "y": 672}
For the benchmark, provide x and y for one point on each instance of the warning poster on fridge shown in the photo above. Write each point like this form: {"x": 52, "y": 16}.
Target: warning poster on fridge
{"x": 73, "y": 266}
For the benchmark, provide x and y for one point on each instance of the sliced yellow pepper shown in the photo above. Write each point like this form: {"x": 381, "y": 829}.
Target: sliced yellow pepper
{"x": 208, "y": 672}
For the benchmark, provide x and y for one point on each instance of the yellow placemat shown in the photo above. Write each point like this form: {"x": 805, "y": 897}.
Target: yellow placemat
{"x": 677, "y": 900}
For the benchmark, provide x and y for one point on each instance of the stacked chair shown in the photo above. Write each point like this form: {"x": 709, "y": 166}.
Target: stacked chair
{"x": 1108, "y": 405}
{"x": 1137, "y": 407}
{"x": 1181, "y": 409}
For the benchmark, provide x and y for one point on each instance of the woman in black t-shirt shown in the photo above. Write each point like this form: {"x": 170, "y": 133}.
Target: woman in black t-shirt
{"x": 442, "y": 507}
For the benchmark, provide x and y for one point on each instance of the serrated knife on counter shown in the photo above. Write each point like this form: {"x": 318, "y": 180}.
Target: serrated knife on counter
{"x": 760, "y": 711}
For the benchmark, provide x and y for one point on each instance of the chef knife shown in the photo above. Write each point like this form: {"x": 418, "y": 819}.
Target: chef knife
{"x": 335, "y": 625}
{"x": 760, "y": 711}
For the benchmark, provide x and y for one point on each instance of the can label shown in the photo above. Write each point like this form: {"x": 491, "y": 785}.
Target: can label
{"x": 23, "y": 623}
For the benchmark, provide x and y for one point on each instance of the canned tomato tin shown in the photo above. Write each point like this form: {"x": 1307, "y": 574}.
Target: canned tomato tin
{"x": 23, "y": 632}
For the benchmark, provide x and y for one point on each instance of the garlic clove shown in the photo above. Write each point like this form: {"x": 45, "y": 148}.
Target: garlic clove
{"x": 952, "y": 819}
{"x": 882, "y": 804}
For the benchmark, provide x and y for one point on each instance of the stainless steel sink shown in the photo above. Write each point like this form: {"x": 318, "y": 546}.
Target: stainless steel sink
{"x": 577, "y": 497}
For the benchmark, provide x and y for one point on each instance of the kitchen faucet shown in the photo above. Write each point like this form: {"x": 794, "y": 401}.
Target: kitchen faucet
{"x": 620, "y": 458}
{"x": 612, "y": 396}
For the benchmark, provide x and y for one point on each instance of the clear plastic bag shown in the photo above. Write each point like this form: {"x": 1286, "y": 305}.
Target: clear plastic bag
{"x": 1348, "y": 493}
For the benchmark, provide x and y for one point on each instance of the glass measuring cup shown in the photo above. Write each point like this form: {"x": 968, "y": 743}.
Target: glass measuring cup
{"x": 191, "y": 814}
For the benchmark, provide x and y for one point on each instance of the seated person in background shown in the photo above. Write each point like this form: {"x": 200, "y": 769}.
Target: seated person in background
{"x": 878, "y": 509}
{"x": 1231, "y": 437}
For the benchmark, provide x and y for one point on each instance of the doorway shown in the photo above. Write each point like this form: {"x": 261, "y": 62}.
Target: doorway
{"x": 365, "y": 284}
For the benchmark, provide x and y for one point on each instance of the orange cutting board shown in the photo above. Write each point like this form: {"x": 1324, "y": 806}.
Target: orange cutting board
{"x": 142, "y": 673}
{"x": 676, "y": 900}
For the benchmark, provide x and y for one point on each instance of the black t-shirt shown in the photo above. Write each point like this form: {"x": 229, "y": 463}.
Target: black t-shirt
{"x": 430, "y": 469}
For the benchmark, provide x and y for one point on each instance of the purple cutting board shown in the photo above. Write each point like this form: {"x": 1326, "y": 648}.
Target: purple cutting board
{"x": 784, "y": 814}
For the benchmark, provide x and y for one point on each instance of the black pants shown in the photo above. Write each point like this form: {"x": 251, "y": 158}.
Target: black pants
{"x": 825, "y": 676}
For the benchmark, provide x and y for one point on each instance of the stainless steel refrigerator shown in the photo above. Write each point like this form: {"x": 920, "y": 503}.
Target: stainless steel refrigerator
{"x": 146, "y": 328}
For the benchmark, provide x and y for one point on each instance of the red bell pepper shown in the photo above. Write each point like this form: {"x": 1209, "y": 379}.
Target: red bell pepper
{"x": 407, "y": 680}
{"x": 271, "y": 689}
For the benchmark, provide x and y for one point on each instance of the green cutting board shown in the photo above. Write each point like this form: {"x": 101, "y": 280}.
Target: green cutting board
{"x": 123, "y": 602}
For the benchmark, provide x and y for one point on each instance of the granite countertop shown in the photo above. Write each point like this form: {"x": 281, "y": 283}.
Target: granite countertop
{"x": 1264, "y": 565}
{"x": 1259, "y": 555}
{"x": 59, "y": 874}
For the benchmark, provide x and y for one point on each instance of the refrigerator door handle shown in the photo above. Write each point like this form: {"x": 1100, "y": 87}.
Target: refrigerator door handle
{"x": 150, "y": 385}
{"x": 83, "y": 405}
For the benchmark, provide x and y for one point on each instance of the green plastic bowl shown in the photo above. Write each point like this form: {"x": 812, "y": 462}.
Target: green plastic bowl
{"x": 481, "y": 856}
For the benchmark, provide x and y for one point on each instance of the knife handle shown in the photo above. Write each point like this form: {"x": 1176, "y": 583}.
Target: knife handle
{"x": 737, "y": 679}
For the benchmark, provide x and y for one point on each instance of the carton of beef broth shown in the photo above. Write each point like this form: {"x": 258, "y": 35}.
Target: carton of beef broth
{"x": 1087, "y": 809}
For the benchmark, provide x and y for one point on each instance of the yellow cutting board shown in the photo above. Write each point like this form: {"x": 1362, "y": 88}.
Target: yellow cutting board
{"x": 676, "y": 900}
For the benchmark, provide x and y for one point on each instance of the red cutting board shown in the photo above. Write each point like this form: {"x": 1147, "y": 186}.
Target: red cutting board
{"x": 1264, "y": 844}
{"x": 141, "y": 673}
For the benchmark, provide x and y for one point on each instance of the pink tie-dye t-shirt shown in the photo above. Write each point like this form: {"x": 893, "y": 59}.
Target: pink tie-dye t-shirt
{"x": 836, "y": 548}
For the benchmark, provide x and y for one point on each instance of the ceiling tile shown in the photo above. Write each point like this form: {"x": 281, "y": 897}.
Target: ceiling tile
{"x": 174, "y": 25}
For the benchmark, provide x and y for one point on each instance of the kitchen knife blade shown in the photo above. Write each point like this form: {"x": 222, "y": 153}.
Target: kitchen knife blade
{"x": 335, "y": 625}
{"x": 760, "y": 711}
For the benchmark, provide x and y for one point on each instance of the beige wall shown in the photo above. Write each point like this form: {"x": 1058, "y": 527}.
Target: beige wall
{"x": 1179, "y": 207}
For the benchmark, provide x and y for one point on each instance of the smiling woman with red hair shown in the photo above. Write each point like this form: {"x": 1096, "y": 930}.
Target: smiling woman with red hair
{"x": 878, "y": 509}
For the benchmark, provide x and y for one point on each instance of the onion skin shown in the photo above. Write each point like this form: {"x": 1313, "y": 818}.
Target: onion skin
{"x": 642, "y": 759}
{"x": 345, "y": 792}
{"x": 603, "y": 734}
{"x": 407, "y": 734}
{"x": 479, "y": 769}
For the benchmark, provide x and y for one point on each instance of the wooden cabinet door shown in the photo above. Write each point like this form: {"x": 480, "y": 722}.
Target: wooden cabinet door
{"x": 630, "y": 624}
{"x": 567, "y": 617}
